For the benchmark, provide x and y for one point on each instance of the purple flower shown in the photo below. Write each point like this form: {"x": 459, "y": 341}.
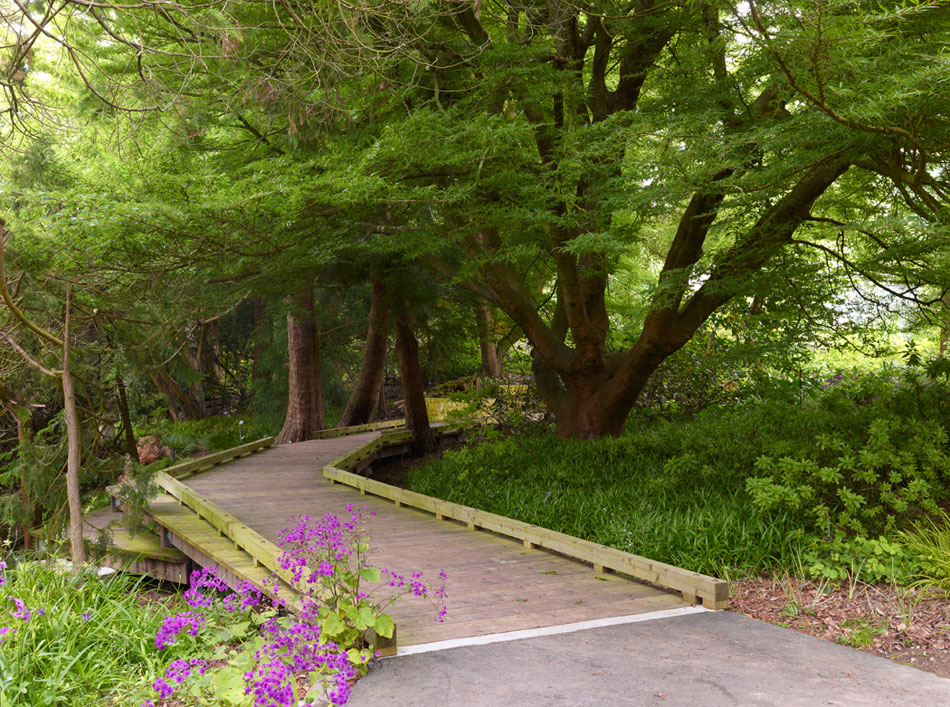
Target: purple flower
{"x": 86, "y": 616}
{"x": 163, "y": 688}
{"x": 21, "y": 611}
{"x": 172, "y": 626}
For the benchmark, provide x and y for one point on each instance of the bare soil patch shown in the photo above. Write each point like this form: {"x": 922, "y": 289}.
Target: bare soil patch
{"x": 903, "y": 625}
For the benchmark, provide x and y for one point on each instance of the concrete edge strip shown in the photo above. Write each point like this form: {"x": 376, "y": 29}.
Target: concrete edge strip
{"x": 546, "y": 631}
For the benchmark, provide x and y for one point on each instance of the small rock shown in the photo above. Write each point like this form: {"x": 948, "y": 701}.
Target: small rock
{"x": 151, "y": 449}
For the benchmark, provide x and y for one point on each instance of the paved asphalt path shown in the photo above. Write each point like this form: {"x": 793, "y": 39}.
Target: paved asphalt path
{"x": 705, "y": 659}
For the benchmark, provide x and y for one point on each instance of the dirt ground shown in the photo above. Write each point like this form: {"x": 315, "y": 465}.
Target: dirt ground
{"x": 900, "y": 624}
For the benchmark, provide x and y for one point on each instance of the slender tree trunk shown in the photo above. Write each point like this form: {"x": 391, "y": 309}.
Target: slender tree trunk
{"x": 945, "y": 325}
{"x": 180, "y": 405}
{"x": 73, "y": 446}
{"x": 130, "y": 447}
{"x": 491, "y": 357}
{"x": 303, "y": 409}
{"x": 24, "y": 435}
{"x": 364, "y": 400}
{"x": 413, "y": 385}
{"x": 162, "y": 385}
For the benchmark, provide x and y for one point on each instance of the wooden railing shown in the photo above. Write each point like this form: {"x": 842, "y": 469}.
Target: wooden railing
{"x": 183, "y": 470}
{"x": 261, "y": 550}
{"x": 713, "y": 592}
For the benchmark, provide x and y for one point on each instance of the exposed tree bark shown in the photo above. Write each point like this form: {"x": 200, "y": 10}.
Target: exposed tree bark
{"x": 131, "y": 447}
{"x": 413, "y": 385}
{"x": 181, "y": 406}
{"x": 71, "y": 414}
{"x": 491, "y": 357}
{"x": 591, "y": 391}
{"x": 363, "y": 403}
{"x": 317, "y": 399}
{"x": 304, "y": 409}
{"x": 77, "y": 545}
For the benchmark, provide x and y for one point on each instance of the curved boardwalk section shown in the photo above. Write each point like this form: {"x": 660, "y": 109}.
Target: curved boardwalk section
{"x": 494, "y": 583}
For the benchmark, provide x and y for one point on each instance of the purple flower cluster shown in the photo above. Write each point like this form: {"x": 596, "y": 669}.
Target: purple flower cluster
{"x": 174, "y": 625}
{"x": 6, "y": 631}
{"x": 3, "y": 576}
{"x": 247, "y": 596}
{"x": 325, "y": 542}
{"x": 330, "y": 554}
{"x": 201, "y": 580}
{"x": 292, "y": 648}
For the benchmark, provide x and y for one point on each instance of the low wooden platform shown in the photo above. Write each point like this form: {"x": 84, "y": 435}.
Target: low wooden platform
{"x": 140, "y": 552}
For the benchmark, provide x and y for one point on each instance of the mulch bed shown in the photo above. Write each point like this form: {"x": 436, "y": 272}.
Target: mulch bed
{"x": 904, "y": 625}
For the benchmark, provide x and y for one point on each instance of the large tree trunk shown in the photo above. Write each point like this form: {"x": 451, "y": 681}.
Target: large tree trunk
{"x": 77, "y": 545}
{"x": 413, "y": 385}
{"x": 491, "y": 356}
{"x": 364, "y": 400}
{"x": 304, "y": 393}
{"x": 589, "y": 390}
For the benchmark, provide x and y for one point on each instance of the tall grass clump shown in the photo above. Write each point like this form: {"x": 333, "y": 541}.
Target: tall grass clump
{"x": 72, "y": 639}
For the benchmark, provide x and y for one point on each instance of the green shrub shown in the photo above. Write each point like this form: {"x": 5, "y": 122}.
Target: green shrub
{"x": 823, "y": 474}
{"x": 877, "y": 458}
{"x": 619, "y": 492}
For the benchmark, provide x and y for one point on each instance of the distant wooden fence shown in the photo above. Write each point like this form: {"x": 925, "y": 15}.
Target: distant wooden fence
{"x": 710, "y": 591}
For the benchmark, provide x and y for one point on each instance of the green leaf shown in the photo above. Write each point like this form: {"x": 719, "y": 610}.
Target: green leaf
{"x": 332, "y": 625}
{"x": 370, "y": 574}
{"x": 365, "y": 618}
{"x": 384, "y": 626}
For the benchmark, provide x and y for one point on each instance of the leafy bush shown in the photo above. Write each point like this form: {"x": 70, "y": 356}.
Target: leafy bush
{"x": 213, "y": 433}
{"x": 859, "y": 558}
{"x": 822, "y": 473}
{"x": 623, "y": 492}
{"x": 265, "y": 656}
{"x": 877, "y": 458}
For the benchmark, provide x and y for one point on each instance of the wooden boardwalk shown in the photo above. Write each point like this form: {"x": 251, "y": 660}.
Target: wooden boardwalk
{"x": 494, "y": 585}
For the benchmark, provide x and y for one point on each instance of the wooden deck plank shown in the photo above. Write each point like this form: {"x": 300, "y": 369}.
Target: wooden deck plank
{"x": 488, "y": 574}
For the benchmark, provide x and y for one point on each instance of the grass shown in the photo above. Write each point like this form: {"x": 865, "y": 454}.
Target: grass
{"x": 769, "y": 484}
{"x": 84, "y": 638}
{"x": 607, "y": 492}
{"x": 929, "y": 540}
